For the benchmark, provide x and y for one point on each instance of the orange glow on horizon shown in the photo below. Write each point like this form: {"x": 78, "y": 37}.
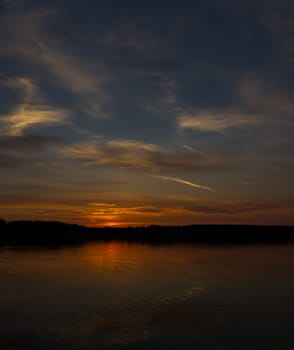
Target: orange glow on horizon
{"x": 113, "y": 224}
{"x": 138, "y": 214}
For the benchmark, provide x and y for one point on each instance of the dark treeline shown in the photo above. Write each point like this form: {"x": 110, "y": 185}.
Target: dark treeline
{"x": 40, "y": 233}
{"x": 55, "y": 233}
{"x": 203, "y": 234}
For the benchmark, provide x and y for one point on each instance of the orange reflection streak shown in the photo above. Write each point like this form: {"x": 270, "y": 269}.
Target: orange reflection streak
{"x": 139, "y": 258}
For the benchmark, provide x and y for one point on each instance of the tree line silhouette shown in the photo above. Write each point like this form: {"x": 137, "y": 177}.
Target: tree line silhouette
{"x": 55, "y": 233}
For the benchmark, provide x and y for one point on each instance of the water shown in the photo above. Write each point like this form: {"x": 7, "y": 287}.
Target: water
{"x": 131, "y": 296}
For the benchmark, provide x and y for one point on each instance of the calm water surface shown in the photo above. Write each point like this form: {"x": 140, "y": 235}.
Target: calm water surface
{"x": 131, "y": 296}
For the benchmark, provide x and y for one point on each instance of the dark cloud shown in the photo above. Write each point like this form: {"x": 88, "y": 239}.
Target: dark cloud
{"x": 137, "y": 155}
{"x": 26, "y": 142}
{"x": 16, "y": 150}
{"x": 229, "y": 208}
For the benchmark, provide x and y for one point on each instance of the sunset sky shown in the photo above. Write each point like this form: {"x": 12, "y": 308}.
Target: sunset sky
{"x": 147, "y": 112}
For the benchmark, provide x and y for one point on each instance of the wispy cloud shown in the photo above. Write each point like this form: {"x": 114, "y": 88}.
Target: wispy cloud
{"x": 27, "y": 36}
{"x": 73, "y": 74}
{"x": 111, "y": 209}
{"x": 265, "y": 98}
{"x": 25, "y": 118}
{"x": 138, "y": 155}
{"x": 185, "y": 182}
{"x": 31, "y": 111}
{"x": 217, "y": 121}
{"x": 24, "y": 84}
{"x": 262, "y": 104}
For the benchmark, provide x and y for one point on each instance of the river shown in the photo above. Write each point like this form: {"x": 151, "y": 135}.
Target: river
{"x": 113, "y": 295}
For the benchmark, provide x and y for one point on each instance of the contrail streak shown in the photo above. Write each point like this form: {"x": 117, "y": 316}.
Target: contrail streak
{"x": 185, "y": 182}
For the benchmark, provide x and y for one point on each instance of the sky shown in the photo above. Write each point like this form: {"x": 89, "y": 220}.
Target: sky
{"x": 117, "y": 113}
